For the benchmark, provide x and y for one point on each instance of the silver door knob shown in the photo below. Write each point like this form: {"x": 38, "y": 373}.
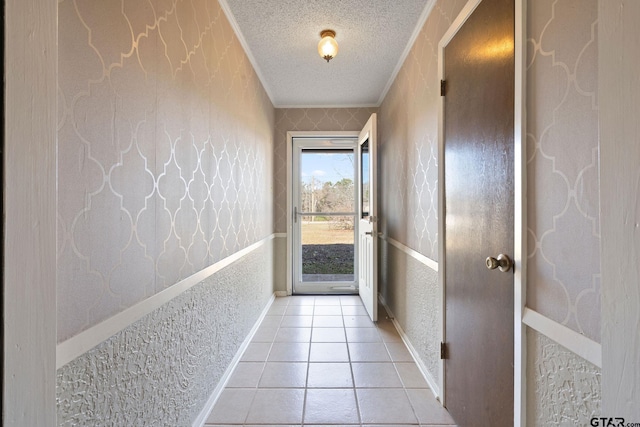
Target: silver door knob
{"x": 503, "y": 262}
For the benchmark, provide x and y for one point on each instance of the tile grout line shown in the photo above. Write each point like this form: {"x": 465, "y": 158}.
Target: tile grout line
{"x": 306, "y": 383}
{"x": 353, "y": 378}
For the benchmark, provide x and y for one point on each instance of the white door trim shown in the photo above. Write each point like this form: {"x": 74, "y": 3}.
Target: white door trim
{"x": 520, "y": 218}
{"x": 520, "y": 191}
{"x": 289, "y": 211}
{"x": 368, "y": 226}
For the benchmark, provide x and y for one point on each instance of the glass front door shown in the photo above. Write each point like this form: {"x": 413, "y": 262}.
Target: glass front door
{"x": 325, "y": 222}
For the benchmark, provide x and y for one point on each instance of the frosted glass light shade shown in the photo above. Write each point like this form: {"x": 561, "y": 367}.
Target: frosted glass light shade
{"x": 328, "y": 47}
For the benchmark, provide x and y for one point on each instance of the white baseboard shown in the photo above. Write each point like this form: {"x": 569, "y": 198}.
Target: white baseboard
{"x": 215, "y": 395}
{"x": 433, "y": 384}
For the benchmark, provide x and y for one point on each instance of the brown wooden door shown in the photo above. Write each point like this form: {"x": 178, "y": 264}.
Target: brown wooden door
{"x": 479, "y": 112}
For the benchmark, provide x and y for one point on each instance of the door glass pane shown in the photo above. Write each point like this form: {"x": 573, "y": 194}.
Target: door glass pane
{"x": 328, "y": 248}
{"x": 326, "y": 217}
{"x": 364, "y": 179}
{"x": 327, "y": 181}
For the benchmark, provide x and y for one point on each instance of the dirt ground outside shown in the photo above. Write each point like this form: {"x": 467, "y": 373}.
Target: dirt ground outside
{"x": 327, "y": 248}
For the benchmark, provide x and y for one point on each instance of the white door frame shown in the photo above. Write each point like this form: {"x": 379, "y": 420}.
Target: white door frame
{"x": 290, "y": 136}
{"x": 367, "y": 239}
{"x": 520, "y": 208}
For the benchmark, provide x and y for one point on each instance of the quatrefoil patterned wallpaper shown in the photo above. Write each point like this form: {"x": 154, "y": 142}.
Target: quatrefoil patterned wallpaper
{"x": 409, "y": 140}
{"x": 165, "y": 151}
{"x": 562, "y": 163}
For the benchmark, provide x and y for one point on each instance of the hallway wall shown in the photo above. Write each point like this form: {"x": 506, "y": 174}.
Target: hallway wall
{"x": 563, "y": 198}
{"x": 165, "y": 165}
{"x": 563, "y": 266}
{"x": 619, "y": 88}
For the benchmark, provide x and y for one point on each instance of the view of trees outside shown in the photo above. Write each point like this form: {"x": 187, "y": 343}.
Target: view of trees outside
{"x": 327, "y": 184}
{"x": 328, "y": 197}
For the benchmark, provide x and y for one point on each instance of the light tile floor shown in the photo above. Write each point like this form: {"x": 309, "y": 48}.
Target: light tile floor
{"x": 319, "y": 360}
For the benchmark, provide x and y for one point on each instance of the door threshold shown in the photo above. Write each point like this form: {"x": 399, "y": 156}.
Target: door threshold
{"x": 335, "y": 290}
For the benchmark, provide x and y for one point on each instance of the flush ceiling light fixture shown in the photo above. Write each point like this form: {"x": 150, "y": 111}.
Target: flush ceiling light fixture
{"x": 328, "y": 47}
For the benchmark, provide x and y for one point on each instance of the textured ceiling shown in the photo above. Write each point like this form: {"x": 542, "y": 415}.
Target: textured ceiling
{"x": 281, "y": 38}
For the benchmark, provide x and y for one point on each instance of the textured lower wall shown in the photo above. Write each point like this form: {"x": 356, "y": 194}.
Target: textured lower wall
{"x": 562, "y": 388}
{"x": 161, "y": 370}
{"x": 410, "y": 289}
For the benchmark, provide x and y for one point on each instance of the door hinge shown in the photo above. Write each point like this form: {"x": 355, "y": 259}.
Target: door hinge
{"x": 443, "y": 87}
{"x": 443, "y": 351}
